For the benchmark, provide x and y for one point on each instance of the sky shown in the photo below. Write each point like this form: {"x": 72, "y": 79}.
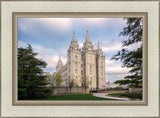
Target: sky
{"x": 51, "y": 37}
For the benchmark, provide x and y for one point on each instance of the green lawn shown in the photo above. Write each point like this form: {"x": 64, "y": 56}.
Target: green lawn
{"x": 74, "y": 97}
{"x": 116, "y": 94}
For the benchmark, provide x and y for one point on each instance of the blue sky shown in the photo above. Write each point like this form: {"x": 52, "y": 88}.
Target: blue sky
{"x": 51, "y": 37}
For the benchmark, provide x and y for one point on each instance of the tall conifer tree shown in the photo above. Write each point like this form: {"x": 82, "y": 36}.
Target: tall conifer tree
{"x": 31, "y": 78}
{"x": 131, "y": 58}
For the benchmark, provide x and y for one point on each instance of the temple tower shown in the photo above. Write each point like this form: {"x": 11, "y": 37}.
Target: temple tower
{"x": 89, "y": 57}
{"x": 100, "y": 69}
{"x": 59, "y": 65}
{"x": 74, "y": 62}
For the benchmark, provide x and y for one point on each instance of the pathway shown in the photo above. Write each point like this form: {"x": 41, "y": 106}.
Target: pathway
{"x": 105, "y": 95}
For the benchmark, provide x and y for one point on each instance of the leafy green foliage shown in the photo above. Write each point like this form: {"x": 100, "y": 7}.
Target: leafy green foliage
{"x": 31, "y": 78}
{"x": 132, "y": 96}
{"x": 129, "y": 95}
{"x": 133, "y": 30}
{"x": 58, "y": 79}
{"x": 55, "y": 79}
{"x": 131, "y": 58}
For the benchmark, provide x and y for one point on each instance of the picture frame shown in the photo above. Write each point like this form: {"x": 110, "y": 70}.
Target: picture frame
{"x": 11, "y": 107}
{"x": 76, "y": 102}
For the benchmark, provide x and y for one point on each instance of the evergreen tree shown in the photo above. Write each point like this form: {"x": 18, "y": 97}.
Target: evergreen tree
{"x": 131, "y": 58}
{"x": 32, "y": 82}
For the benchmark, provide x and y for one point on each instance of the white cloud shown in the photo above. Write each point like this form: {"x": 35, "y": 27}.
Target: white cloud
{"x": 134, "y": 46}
{"x": 114, "y": 70}
{"x": 50, "y": 60}
{"x": 64, "y": 24}
{"x": 50, "y": 56}
{"x": 95, "y": 21}
{"x": 98, "y": 22}
{"x": 117, "y": 69}
{"x": 112, "y": 47}
{"x": 29, "y": 25}
{"x": 118, "y": 46}
{"x": 109, "y": 62}
{"x": 118, "y": 22}
{"x": 112, "y": 66}
{"x": 114, "y": 77}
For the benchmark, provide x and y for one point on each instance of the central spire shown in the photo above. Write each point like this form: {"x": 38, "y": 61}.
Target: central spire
{"x": 87, "y": 36}
{"x": 74, "y": 37}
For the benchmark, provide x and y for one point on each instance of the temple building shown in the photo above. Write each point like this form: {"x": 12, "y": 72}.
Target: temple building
{"x": 85, "y": 66}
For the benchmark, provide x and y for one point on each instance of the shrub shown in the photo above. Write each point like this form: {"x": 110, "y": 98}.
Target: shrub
{"x": 133, "y": 95}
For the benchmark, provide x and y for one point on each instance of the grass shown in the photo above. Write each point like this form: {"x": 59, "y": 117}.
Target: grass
{"x": 74, "y": 97}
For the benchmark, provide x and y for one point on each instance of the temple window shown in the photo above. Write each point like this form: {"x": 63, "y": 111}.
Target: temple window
{"x": 81, "y": 72}
{"x": 76, "y": 65}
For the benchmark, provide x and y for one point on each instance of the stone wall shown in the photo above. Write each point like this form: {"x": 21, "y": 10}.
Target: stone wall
{"x": 66, "y": 90}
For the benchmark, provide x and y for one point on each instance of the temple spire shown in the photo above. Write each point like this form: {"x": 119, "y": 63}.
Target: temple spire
{"x": 74, "y": 37}
{"x": 87, "y": 36}
{"x": 59, "y": 58}
{"x": 60, "y": 61}
{"x": 98, "y": 47}
{"x": 59, "y": 64}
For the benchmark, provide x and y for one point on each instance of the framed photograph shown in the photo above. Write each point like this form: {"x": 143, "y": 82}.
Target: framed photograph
{"x": 80, "y": 59}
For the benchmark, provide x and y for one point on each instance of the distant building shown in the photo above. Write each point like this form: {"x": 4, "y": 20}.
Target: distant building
{"x": 86, "y": 66}
{"x": 111, "y": 85}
